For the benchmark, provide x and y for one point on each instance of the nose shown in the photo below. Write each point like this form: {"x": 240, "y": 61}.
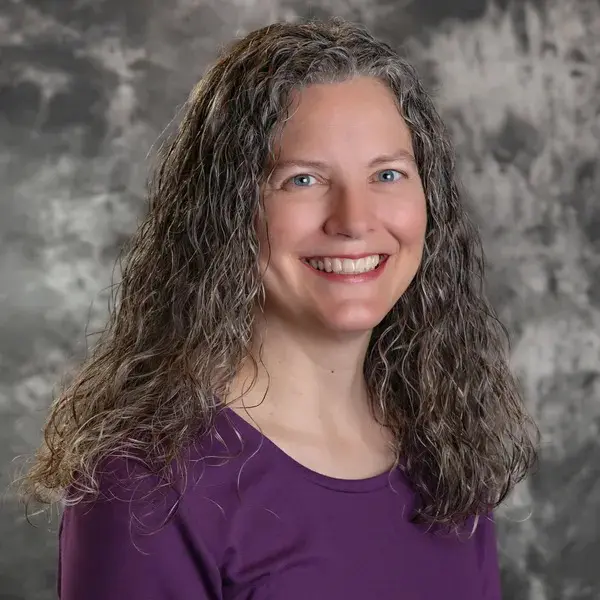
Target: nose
{"x": 351, "y": 213}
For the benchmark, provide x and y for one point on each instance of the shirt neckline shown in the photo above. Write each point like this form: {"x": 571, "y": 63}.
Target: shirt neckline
{"x": 253, "y": 435}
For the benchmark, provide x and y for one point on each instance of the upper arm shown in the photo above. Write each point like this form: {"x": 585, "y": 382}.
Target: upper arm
{"x": 108, "y": 551}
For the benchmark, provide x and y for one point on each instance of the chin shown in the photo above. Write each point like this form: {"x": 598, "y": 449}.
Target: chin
{"x": 353, "y": 321}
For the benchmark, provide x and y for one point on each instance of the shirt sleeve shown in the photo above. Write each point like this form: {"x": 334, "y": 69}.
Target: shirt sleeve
{"x": 489, "y": 560}
{"x": 120, "y": 547}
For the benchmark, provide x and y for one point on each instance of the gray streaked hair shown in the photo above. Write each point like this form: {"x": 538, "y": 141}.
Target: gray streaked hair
{"x": 182, "y": 319}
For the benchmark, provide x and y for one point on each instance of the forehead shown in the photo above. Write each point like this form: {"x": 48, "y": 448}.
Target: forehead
{"x": 356, "y": 116}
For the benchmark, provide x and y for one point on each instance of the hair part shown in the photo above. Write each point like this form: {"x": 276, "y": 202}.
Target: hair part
{"x": 182, "y": 318}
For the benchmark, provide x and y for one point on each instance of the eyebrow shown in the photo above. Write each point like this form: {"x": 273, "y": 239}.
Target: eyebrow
{"x": 404, "y": 155}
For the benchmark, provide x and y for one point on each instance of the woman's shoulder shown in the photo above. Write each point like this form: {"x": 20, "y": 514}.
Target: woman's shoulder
{"x": 141, "y": 528}
{"x": 208, "y": 460}
{"x": 132, "y": 500}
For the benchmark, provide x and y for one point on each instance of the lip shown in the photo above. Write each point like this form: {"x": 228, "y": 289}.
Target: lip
{"x": 353, "y": 277}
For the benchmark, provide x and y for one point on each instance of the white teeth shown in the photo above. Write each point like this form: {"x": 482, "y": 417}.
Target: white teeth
{"x": 345, "y": 266}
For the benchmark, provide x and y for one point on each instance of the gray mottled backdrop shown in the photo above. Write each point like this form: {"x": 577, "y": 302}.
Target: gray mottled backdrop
{"x": 86, "y": 86}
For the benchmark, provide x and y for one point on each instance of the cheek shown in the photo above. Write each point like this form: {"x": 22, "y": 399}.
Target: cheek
{"x": 409, "y": 222}
{"x": 419, "y": 222}
{"x": 288, "y": 227}
{"x": 276, "y": 236}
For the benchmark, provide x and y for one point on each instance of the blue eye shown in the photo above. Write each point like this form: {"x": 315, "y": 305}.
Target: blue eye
{"x": 301, "y": 178}
{"x": 390, "y": 179}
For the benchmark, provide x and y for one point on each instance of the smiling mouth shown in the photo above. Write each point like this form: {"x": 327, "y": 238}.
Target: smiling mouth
{"x": 346, "y": 266}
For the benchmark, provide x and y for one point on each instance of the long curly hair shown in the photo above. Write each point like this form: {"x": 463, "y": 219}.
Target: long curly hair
{"x": 182, "y": 317}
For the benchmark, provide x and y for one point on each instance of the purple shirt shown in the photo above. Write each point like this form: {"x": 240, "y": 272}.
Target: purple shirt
{"x": 260, "y": 526}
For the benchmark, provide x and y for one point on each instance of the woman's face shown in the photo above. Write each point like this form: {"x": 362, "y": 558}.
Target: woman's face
{"x": 345, "y": 208}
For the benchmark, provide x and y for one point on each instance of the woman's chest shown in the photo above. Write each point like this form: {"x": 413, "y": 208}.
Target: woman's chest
{"x": 349, "y": 556}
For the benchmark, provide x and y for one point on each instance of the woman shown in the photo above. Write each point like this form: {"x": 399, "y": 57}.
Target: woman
{"x": 302, "y": 391}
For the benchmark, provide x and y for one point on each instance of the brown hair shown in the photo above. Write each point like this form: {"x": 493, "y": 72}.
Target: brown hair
{"x": 182, "y": 318}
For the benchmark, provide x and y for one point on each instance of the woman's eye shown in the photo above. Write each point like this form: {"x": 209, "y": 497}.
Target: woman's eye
{"x": 390, "y": 175}
{"x": 302, "y": 180}
{"x": 306, "y": 180}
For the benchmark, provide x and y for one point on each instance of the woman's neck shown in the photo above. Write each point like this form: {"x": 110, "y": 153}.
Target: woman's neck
{"x": 308, "y": 381}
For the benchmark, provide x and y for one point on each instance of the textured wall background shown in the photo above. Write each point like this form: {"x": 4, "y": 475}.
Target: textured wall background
{"x": 86, "y": 87}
